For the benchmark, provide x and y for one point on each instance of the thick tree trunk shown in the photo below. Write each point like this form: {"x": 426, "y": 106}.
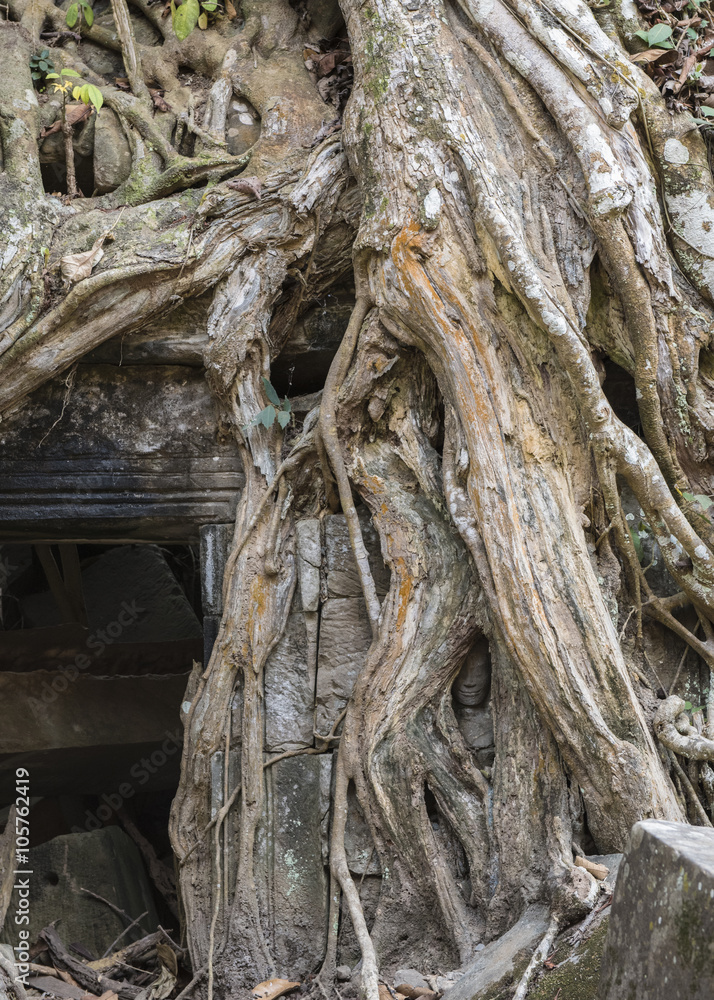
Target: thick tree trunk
{"x": 500, "y": 207}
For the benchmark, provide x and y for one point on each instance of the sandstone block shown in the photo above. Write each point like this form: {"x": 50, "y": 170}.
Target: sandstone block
{"x": 345, "y": 637}
{"x": 660, "y": 941}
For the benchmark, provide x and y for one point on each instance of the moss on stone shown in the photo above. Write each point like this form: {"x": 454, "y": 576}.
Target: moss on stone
{"x": 578, "y": 978}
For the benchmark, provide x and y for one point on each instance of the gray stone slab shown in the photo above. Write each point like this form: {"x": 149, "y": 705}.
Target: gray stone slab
{"x": 106, "y": 862}
{"x": 290, "y": 687}
{"x": 300, "y": 882}
{"x": 499, "y": 959}
{"x": 309, "y": 558}
{"x": 345, "y": 637}
{"x": 341, "y": 569}
{"x": 660, "y": 941}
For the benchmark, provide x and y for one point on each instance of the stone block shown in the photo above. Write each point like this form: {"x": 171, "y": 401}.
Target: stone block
{"x": 362, "y": 858}
{"x": 342, "y": 576}
{"x": 309, "y": 558}
{"x": 500, "y": 959}
{"x": 107, "y": 863}
{"x": 660, "y": 941}
{"x": 345, "y": 637}
{"x": 112, "y": 155}
{"x": 300, "y": 881}
{"x": 290, "y": 687}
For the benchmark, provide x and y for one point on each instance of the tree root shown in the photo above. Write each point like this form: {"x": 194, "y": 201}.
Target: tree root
{"x": 539, "y": 956}
{"x": 671, "y": 725}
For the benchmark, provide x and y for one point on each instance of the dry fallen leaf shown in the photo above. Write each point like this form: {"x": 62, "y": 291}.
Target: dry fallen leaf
{"x": 109, "y": 995}
{"x": 74, "y": 113}
{"x": 651, "y": 55}
{"x": 76, "y": 266}
{"x": 251, "y": 185}
{"x": 597, "y": 871}
{"x": 163, "y": 986}
{"x": 272, "y": 988}
{"x": 167, "y": 957}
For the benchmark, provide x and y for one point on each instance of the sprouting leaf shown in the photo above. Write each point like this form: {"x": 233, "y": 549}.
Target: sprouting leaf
{"x": 285, "y": 405}
{"x": 95, "y": 96}
{"x": 210, "y": 5}
{"x": 704, "y": 502}
{"x": 270, "y": 391}
{"x": 72, "y": 15}
{"x": 53, "y": 76}
{"x": 71, "y": 72}
{"x": 88, "y": 14}
{"x": 185, "y": 18}
{"x": 283, "y": 418}
{"x": 658, "y": 34}
{"x": 203, "y": 21}
{"x": 267, "y": 416}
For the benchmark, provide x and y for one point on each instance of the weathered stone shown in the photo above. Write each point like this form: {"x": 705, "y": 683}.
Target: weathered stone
{"x": 342, "y": 577}
{"x": 500, "y": 960}
{"x": 130, "y": 594}
{"x": 242, "y": 126}
{"x": 660, "y": 942}
{"x": 345, "y": 637}
{"x": 309, "y": 558}
{"x": 290, "y": 688}
{"x": 107, "y": 863}
{"x": 343, "y": 973}
{"x": 300, "y": 883}
{"x": 112, "y": 154}
{"x": 410, "y": 977}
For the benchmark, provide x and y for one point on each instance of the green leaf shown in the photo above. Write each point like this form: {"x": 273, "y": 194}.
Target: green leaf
{"x": 270, "y": 392}
{"x": 71, "y": 72}
{"x": 285, "y": 405}
{"x": 283, "y": 418}
{"x": 53, "y": 76}
{"x": 88, "y": 14}
{"x": 637, "y": 542}
{"x": 43, "y": 65}
{"x": 704, "y": 502}
{"x": 72, "y": 15}
{"x": 185, "y": 18}
{"x": 210, "y": 5}
{"x": 691, "y": 33}
{"x": 644, "y": 35}
{"x": 658, "y": 34}
{"x": 44, "y": 53}
{"x": 203, "y": 21}
{"x": 688, "y": 705}
{"x": 94, "y": 96}
{"x": 35, "y": 75}
{"x": 267, "y": 416}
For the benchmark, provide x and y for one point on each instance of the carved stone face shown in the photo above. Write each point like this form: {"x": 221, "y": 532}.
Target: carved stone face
{"x": 474, "y": 679}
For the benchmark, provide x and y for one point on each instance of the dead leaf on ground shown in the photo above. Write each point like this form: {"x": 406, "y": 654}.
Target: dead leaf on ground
{"x": 76, "y": 266}
{"x": 109, "y": 995}
{"x": 163, "y": 986}
{"x": 251, "y": 185}
{"x": 231, "y": 12}
{"x": 74, "y": 113}
{"x": 597, "y": 871}
{"x": 272, "y": 988}
{"x": 649, "y": 56}
{"x": 167, "y": 957}
{"x": 158, "y": 99}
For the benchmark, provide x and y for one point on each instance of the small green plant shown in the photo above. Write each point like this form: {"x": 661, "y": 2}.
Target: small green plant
{"x": 658, "y": 37}
{"x": 77, "y": 11}
{"x": 89, "y": 95}
{"x": 190, "y": 13}
{"x": 275, "y": 410}
{"x": 41, "y": 65}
